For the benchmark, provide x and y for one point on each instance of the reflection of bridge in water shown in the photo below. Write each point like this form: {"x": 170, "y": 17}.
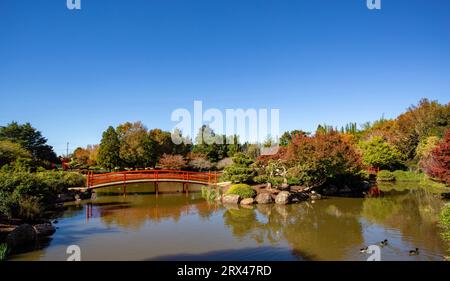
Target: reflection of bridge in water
{"x": 95, "y": 181}
{"x": 127, "y": 210}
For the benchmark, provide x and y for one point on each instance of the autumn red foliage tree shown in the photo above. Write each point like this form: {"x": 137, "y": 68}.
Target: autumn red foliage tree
{"x": 85, "y": 156}
{"x": 314, "y": 160}
{"x": 175, "y": 162}
{"x": 437, "y": 164}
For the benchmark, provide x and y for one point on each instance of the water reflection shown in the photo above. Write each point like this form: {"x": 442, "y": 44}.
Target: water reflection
{"x": 180, "y": 227}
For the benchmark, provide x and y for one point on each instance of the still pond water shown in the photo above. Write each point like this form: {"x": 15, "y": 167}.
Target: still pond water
{"x": 180, "y": 227}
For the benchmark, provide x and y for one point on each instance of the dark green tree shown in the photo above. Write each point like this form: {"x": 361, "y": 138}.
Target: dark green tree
{"x": 233, "y": 146}
{"x": 286, "y": 138}
{"x": 30, "y": 139}
{"x": 108, "y": 154}
{"x": 209, "y": 144}
{"x": 241, "y": 171}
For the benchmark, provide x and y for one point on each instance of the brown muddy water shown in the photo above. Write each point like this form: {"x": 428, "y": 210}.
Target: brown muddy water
{"x": 179, "y": 227}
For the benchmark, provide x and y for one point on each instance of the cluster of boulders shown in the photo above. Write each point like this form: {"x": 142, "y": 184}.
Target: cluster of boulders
{"x": 27, "y": 234}
{"x": 74, "y": 195}
{"x": 271, "y": 195}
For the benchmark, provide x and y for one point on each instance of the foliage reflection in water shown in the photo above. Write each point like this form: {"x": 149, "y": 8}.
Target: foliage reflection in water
{"x": 180, "y": 227}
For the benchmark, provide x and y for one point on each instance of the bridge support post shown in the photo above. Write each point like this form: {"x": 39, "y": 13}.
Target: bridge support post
{"x": 216, "y": 185}
{"x": 124, "y": 184}
{"x": 156, "y": 188}
{"x": 88, "y": 211}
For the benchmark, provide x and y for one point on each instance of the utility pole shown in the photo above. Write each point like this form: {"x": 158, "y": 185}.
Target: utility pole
{"x": 67, "y": 150}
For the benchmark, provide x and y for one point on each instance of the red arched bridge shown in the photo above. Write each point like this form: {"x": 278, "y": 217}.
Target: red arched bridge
{"x": 95, "y": 181}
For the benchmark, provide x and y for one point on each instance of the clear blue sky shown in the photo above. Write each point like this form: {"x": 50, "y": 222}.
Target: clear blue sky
{"x": 74, "y": 73}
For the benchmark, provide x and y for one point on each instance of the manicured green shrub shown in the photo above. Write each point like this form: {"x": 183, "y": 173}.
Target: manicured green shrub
{"x": 240, "y": 171}
{"x": 276, "y": 181}
{"x": 261, "y": 179}
{"x": 243, "y": 190}
{"x": 385, "y": 175}
{"x": 293, "y": 181}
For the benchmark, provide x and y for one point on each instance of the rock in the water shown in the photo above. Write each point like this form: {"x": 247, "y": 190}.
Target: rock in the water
{"x": 315, "y": 196}
{"x": 44, "y": 229}
{"x": 231, "y": 199}
{"x": 22, "y": 235}
{"x": 299, "y": 196}
{"x": 296, "y": 188}
{"x": 274, "y": 191}
{"x": 345, "y": 190}
{"x": 65, "y": 197}
{"x": 331, "y": 190}
{"x": 285, "y": 187}
{"x": 247, "y": 201}
{"x": 264, "y": 198}
{"x": 445, "y": 195}
{"x": 283, "y": 198}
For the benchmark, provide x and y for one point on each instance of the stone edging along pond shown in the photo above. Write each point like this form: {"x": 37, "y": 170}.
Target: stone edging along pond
{"x": 264, "y": 194}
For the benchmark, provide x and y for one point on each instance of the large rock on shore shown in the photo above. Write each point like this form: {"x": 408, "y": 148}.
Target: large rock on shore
{"x": 315, "y": 196}
{"x": 299, "y": 196}
{"x": 247, "y": 201}
{"x": 21, "y": 236}
{"x": 264, "y": 198}
{"x": 283, "y": 198}
{"x": 285, "y": 187}
{"x": 44, "y": 229}
{"x": 65, "y": 197}
{"x": 231, "y": 199}
{"x": 330, "y": 190}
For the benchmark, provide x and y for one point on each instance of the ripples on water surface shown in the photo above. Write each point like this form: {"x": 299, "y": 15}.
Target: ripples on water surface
{"x": 179, "y": 227}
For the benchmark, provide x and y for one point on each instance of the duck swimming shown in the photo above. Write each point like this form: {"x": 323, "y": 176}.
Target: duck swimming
{"x": 364, "y": 250}
{"x": 414, "y": 252}
{"x": 384, "y": 243}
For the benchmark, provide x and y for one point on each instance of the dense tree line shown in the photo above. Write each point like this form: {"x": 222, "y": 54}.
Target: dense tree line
{"x": 408, "y": 141}
{"x": 132, "y": 145}
{"x": 417, "y": 139}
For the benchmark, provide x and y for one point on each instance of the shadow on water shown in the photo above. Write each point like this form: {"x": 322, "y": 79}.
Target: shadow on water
{"x": 246, "y": 254}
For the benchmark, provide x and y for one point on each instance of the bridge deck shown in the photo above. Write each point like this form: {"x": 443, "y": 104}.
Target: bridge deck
{"x": 125, "y": 177}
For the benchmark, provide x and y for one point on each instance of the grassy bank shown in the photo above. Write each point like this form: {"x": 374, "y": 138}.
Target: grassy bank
{"x": 445, "y": 224}
{"x": 409, "y": 180}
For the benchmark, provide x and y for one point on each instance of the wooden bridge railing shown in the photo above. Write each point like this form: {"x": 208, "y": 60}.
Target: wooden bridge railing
{"x": 210, "y": 178}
